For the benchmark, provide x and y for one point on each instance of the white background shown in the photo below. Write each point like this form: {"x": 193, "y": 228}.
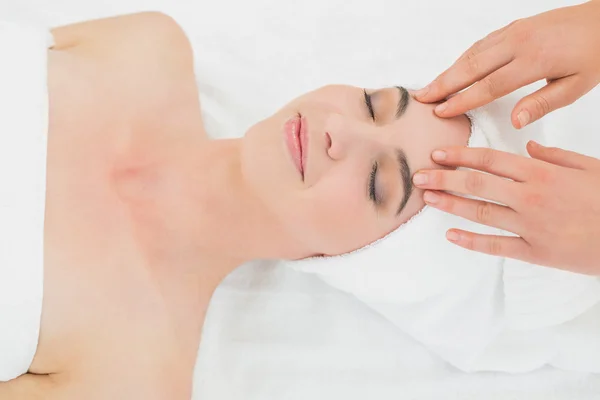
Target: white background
{"x": 274, "y": 334}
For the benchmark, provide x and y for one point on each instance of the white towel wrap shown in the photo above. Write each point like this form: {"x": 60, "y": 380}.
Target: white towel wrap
{"x": 23, "y": 138}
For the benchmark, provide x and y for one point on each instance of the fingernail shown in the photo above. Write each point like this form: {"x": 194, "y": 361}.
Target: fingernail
{"x": 441, "y": 108}
{"x": 420, "y": 179}
{"x": 438, "y": 155}
{"x": 523, "y": 117}
{"x": 422, "y": 92}
{"x": 452, "y": 236}
{"x": 431, "y": 198}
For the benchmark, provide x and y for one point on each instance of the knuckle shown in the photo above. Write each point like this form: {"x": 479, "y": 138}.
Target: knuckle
{"x": 521, "y": 32}
{"x": 477, "y": 45}
{"x": 487, "y": 158}
{"x": 493, "y": 34}
{"x": 533, "y": 199}
{"x": 446, "y": 203}
{"x": 483, "y": 213}
{"x": 543, "y": 175}
{"x": 491, "y": 86}
{"x": 543, "y": 60}
{"x": 468, "y": 242}
{"x": 472, "y": 63}
{"x": 553, "y": 151}
{"x": 436, "y": 179}
{"x": 515, "y": 23}
{"x": 541, "y": 105}
{"x": 474, "y": 182}
{"x": 432, "y": 179}
{"x": 568, "y": 100}
{"x": 494, "y": 246}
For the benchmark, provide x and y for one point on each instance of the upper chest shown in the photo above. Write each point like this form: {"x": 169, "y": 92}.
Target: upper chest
{"x": 98, "y": 293}
{"x": 108, "y": 115}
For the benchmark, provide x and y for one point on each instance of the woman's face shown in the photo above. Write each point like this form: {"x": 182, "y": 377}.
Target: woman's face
{"x": 334, "y": 166}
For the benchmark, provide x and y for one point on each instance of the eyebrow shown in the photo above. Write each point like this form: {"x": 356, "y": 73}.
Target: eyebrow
{"x": 402, "y": 101}
{"x": 406, "y": 181}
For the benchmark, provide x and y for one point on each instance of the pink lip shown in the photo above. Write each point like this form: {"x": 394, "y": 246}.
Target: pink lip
{"x": 296, "y": 140}
{"x": 304, "y": 143}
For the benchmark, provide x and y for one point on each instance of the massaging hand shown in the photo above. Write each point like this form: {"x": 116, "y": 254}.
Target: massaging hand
{"x": 552, "y": 203}
{"x": 561, "y": 46}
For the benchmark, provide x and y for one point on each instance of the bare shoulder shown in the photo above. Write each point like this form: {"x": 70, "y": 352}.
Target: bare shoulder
{"x": 93, "y": 387}
{"x": 144, "y": 59}
{"x": 149, "y": 38}
{"x": 140, "y": 28}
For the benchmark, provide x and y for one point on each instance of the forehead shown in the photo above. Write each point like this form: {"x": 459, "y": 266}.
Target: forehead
{"x": 332, "y": 93}
{"x": 346, "y": 93}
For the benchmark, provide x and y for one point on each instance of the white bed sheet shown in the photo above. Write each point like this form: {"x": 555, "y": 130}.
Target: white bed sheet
{"x": 276, "y": 334}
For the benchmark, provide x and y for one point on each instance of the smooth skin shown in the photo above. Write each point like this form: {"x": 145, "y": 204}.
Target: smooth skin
{"x": 116, "y": 313}
{"x": 145, "y": 215}
{"x": 550, "y": 201}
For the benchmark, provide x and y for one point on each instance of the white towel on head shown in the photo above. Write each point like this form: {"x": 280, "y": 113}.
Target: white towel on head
{"x": 463, "y": 305}
{"x": 534, "y": 296}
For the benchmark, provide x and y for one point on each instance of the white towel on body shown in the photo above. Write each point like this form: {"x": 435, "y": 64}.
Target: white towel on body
{"x": 23, "y": 130}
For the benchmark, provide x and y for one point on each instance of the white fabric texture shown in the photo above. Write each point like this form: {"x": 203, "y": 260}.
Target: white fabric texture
{"x": 273, "y": 333}
{"x": 23, "y": 138}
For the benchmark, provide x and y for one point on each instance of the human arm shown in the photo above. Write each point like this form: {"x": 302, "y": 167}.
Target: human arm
{"x": 561, "y": 46}
{"x": 551, "y": 202}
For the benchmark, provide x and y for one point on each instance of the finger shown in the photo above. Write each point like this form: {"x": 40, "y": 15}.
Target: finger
{"x": 495, "y": 245}
{"x": 558, "y": 93}
{"x": 496, "y": 162}
{"x": 495, "y": 85}
{"x": 490, "y": 40}
{"x": 481, "y": 212}
{"x": 473, "y": 183}
{"x": 465, "y": 72}
{"x": 563, "y": 158}
{"x": 478, "y": 47}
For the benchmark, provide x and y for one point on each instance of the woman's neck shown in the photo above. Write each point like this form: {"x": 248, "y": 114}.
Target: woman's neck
{"x": 227, "y": 216}
{"x": 193, "y": 211}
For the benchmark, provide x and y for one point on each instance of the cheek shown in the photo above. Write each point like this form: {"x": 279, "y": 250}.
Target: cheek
{"x": 340, "y": 215}
{"x": 340, "y": 201}
{"x": 265, "y": 164}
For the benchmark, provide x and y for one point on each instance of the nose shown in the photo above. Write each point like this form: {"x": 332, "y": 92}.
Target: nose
{"x": 346, "y": 137}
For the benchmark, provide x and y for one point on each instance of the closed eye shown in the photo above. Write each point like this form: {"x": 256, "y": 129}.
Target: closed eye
{"x": 373, "y": 195}
{"x": 369, "y": 104}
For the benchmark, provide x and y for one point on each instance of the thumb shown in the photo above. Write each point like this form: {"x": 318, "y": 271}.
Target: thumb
{"x": 560, "y": 157}
{"x": 556, "y": 94}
